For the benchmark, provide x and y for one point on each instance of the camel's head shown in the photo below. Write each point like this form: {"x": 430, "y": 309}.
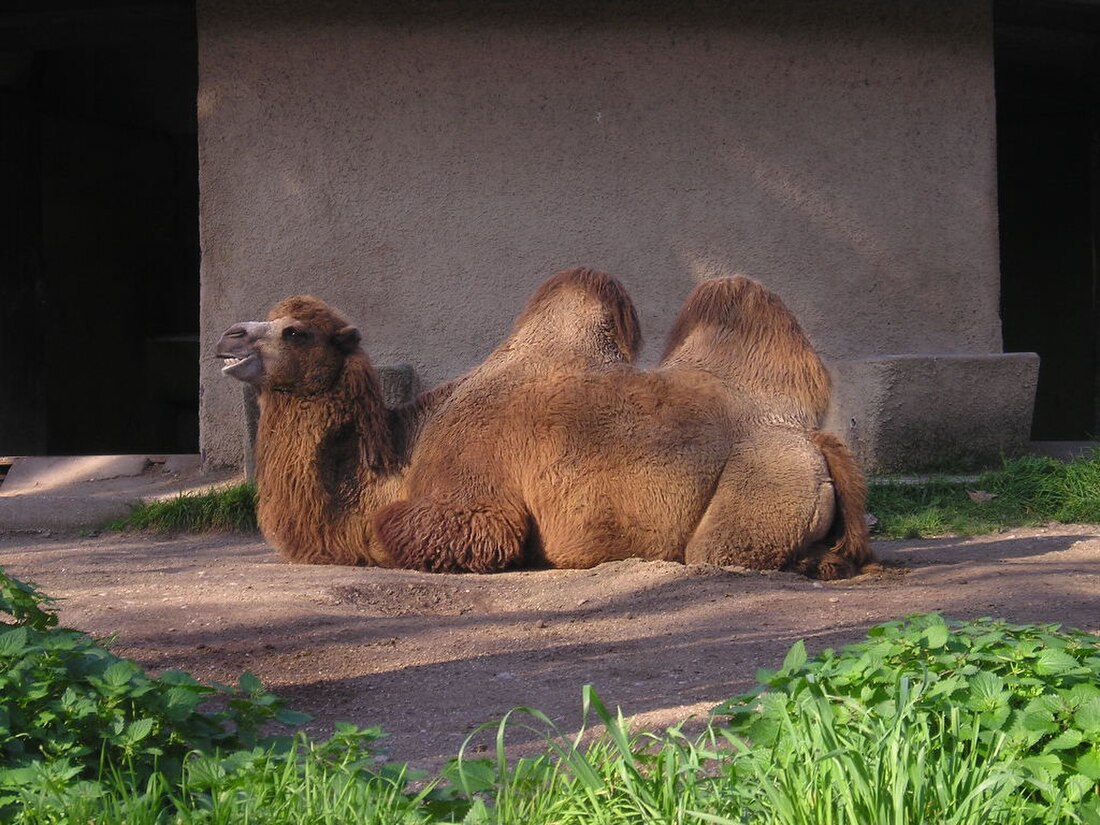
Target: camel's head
{"x": 300, "y": 349}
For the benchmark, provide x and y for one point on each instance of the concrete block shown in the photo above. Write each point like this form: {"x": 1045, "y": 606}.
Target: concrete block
{"x": 40, "y": 474}
{"x": 917, "y": 412}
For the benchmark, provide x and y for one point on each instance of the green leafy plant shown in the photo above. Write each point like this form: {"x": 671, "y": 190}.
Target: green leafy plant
{"x": 69, "y": 707}
{"x": 1022, "y": 696}
{"x": 334, "y": 781}
{"x": 24, "y": 604}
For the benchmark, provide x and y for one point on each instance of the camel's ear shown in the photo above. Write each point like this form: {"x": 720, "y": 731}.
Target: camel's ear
{"x": 346, "y": 339}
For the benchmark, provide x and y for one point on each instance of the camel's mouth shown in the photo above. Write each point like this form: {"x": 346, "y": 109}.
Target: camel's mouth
{"x": 245, "y": 368}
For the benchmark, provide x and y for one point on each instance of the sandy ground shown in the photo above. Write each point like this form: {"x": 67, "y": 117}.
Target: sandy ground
{"x": 430, "y": 657}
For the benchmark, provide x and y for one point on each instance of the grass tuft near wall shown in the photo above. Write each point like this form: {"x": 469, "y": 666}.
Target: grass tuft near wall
{"x": 229, "y": 508}
{"x": 1026, "y": 491}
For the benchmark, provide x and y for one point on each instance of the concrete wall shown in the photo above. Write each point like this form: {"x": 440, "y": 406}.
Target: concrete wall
{"x": 423, "y": 165}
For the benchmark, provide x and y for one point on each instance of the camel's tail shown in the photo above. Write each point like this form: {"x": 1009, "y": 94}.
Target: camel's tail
{"x": 846, "y": 549}
{"x": 742, "y": 332}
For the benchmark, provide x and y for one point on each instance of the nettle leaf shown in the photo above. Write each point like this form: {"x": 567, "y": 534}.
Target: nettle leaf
{"x": 178, "y": 677}
{"x": 119, "y": 673}
{"x": 987, "y": 693}
{"x": 1080, "y": 694}
{"x": 936, "y": 635}
{"x": 1077, "y": 786}
{"x": 1066, "y": 740}
{"x": 796, "y": 657}
{"x": 1088, "y": 764}
{"x": 764, "y": 676}
{"x": 988, "y": 640}
{"x": 138, "y": 730}
{"x": 1045, "y": 767}
{"x": 1038, "y": 715}
{"x": 13, "y": 642}
{"x": 1087, "y": 717}
{"x": 1057, "y": 663}
{"x": 180, "y": 702}
{"x": 16, "y": 777}
{"x": 291, "y": 718}
{"x": 249, "y": 683}
{"x": 204, "y": 771}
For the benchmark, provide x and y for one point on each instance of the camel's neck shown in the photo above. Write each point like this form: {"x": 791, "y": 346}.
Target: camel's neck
{"x": 324, "y": 464}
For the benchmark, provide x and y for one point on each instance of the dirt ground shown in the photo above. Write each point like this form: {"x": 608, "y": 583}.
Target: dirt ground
{"x": 430, "y": 657}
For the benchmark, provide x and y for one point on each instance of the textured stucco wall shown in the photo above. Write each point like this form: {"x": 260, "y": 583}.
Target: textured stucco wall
{"x": 423, "y": 165}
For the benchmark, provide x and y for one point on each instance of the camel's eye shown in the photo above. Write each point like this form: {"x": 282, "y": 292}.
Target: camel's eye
{"x": 295, "y": 334}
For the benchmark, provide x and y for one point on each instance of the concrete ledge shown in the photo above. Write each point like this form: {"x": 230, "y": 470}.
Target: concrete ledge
{"x": 84, "y": 492}
{"x": 903, "y": 413}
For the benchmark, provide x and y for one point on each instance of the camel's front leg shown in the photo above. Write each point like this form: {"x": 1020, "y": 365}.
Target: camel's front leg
{"x": 438, "y": 536}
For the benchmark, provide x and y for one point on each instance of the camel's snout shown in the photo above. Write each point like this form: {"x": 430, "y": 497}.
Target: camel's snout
{"x": 236, "y": 331}
{"x": 237, "y": 348}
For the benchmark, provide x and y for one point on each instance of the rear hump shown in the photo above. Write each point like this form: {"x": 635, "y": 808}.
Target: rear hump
{"x": 740, "y": 331}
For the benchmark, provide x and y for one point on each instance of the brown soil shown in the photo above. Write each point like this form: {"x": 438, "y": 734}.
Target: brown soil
{"x": 430, "y": 657}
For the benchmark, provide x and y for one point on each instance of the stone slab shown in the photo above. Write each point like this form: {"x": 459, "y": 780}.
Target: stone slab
{"x": 85, "y": 492}
{"x": 41, "y": 474}
{"x": 914, "y": 412}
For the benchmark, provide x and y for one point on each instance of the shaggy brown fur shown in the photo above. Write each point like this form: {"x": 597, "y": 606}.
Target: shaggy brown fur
{"x": 328, "y": 452}
{"x": 556, "y": 451}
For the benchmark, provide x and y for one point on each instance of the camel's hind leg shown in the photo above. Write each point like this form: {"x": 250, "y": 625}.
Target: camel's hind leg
{"x": 429, "y": 534}
{"x": 773, "y": 502}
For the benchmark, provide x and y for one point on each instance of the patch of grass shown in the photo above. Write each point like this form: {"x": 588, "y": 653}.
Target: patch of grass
{"x": 926, "y": 721}
{"x": 1018, "y": 707}
{"x": 1026, "y": 491}
{"x": 979, "y": 723}
{"x": 318, "y": 782}
{"x": 229, "y": 508}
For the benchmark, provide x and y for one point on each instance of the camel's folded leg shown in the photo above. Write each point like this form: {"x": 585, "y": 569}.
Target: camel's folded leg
{"x": 772, "y": 504}
{"x": 427, "y": 534}
{"x": 822, "y": 561}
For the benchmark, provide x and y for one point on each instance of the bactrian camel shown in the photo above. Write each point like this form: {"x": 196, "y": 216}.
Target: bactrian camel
{"x": 557, "y": 451}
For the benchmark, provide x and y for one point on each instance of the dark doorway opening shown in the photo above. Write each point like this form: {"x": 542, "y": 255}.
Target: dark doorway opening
{"x": 100, "y": 292}
{"x": 1048, "y": 113}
